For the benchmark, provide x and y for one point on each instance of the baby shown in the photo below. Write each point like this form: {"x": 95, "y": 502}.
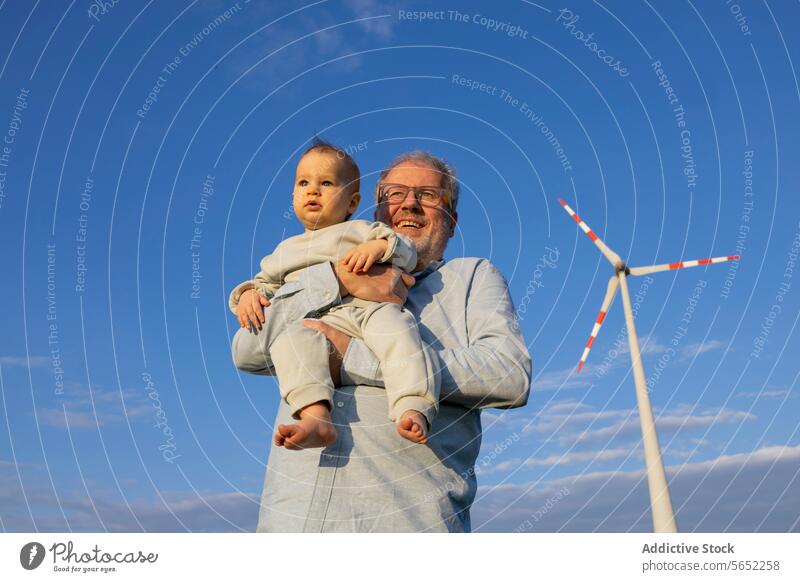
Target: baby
{"x": 326, "y": 194}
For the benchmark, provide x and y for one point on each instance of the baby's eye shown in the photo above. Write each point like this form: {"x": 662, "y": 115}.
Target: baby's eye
{"x": 302, "y": 183}
{"x": 327, "y": 183}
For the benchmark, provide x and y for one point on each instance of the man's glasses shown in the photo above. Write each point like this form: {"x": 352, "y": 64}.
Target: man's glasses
{"x": 425, "y": 195}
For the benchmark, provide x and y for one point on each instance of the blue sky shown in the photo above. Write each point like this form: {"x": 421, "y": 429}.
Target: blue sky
{"x": 671, "y": 127}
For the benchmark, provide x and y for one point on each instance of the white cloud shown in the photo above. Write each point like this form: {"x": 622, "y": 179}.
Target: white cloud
{"x": 216, "y": 512}
{"x": 755, "y": 491}
{"x": 564, "y": 378}
{"x": 105, "y": 510}
{"x": 566, "y": 406}
{"x": 81, "y": 409}
{"x": 694, "y": 349}
{"x": 572, "y": 423}
{"x": 333, "y": 30}
{"x": 664, "y": 422}
{"x": 30, "y": 362}
{"x": 765, "y": 395}
{"x": 72, "y": 418}
{"x": 571, "y": 458}
{"x": 686, "y": 448}
{"x": 600, "y": 361}
{"x": 648, "y": 345}
{"x": 382, "y": 28}
{"x": 556, "y": 422}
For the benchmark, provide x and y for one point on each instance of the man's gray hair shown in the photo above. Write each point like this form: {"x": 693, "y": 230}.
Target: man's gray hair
{"x": 423, "y": 158}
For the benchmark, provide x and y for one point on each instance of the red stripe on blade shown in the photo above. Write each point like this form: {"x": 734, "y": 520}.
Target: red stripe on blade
{"x": 675, "y": 265}
{"x": 601, "y": 317}
{"x": 592, "y": 235}
{"x": 704, "y": 262}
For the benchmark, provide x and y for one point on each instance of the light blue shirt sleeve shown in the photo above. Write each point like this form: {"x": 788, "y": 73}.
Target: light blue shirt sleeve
{"x": 315, "y": 291}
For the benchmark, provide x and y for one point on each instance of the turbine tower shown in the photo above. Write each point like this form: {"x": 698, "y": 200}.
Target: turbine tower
{"x": 660, "y": 502}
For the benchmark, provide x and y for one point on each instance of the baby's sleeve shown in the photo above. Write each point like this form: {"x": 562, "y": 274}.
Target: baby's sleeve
{"x": 401, "y": 251}
{"x": 264, "y": 282}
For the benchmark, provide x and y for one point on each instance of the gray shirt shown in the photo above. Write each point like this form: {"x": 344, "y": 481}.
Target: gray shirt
{"x": 372, "y": 479}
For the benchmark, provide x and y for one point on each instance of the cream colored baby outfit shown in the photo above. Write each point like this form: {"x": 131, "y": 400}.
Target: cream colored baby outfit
{"x": 301, "y": 355}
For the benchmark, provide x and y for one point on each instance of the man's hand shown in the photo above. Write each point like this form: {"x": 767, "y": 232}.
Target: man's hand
{"x": 361, "y": 257}
{"x": 382, "y": 284}
{"x": 250, "y": 311}
{"x": 338, "y": 343}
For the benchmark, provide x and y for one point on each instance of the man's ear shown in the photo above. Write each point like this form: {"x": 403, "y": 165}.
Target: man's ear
{"x": 453, "y": 220}
{"x": 355, "y": 200}
{"x": 380, "y": 214}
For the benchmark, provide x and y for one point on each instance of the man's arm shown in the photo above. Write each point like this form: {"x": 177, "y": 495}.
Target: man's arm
{"x": 492, "y": 371}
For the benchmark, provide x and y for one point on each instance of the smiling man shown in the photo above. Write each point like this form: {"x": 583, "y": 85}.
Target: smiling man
{"x": 371, "y": 479}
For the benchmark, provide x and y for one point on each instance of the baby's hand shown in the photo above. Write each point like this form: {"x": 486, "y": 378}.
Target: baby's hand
{"x": 250, "y": 311}
{"x": 363, "y": 256}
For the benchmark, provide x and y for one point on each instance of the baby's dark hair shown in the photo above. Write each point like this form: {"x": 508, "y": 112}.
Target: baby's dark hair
{"x": 351, "y": 172}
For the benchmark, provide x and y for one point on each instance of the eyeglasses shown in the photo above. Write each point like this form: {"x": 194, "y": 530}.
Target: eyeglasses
{"x": 425, "y": 195}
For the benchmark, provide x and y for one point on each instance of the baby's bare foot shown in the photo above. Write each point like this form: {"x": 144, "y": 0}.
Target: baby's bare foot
{"x": 314, "y": 429}
{"x": 413, "y": 426}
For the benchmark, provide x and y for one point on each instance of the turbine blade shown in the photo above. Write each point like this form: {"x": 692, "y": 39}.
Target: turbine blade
{"x": 613, "y": 257}
{"x": 681, "y": 265}
{"x": 613, "y": 285}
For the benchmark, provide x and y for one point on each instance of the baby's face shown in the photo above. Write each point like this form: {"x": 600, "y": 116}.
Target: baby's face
{"x": 322, "y": 195}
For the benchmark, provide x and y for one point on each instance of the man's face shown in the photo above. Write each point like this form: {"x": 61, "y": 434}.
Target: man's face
{"x": 429, "y": 227}
{"x": 322, "y": 195}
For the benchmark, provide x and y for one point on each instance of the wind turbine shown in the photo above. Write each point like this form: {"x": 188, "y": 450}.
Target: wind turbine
{"x": 660, "y": 502}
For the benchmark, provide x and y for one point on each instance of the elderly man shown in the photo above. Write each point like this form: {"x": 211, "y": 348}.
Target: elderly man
{"x": 371, "y": 479}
